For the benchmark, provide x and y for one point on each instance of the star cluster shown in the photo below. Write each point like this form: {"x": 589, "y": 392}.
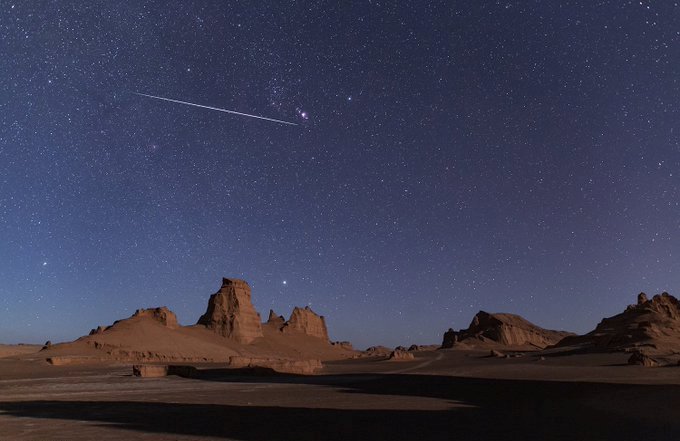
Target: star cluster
{"x": 517, "y": 156}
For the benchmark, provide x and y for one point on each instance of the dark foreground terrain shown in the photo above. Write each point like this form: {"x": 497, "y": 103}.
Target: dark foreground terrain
{"x": 435, "y": 397}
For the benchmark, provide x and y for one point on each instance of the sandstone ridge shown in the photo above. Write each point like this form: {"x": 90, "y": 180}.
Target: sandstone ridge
{"x": 502, "y": 329}
{"x": 653, "y": 324}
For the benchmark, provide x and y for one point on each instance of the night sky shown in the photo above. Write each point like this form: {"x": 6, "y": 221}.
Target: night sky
{"x": 449, "y": 157}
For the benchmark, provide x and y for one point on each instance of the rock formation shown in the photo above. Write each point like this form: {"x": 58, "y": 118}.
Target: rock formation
{"x": 377, "y": 351}
{"x": 641, "y": 359}
{"x": 401, "y": 355}
{"x": 652, "y": 323}
{"x": 308, "y": 322}
{"x": 419, "y": 348}
{"x": 229, "y": 328}
{"x": 290, "y": 366}
{"x": 276, "y": 320}
{"x": 450, "y": 338}
{"x": 162, "y": 315}
{"x": 343, "y": 344}
{"x": 231, "y": 313}
{"x": 503, "y": 329}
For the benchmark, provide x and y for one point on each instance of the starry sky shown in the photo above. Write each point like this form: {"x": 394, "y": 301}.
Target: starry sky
{"x": 449, "y": 156}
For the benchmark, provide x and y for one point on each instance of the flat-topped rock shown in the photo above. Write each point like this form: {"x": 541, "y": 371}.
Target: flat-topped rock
{"x": 162, "y": 315}
{"x": 277, "y": 364}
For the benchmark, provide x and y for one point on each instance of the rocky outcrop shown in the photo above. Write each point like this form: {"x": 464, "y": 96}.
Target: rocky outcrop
{"x": 651, "y": 323}
{"x": 401, "y": 355}
{"x": 343, "y": 344}
{"x": 377, "y": 351}
{"x": 98, "y": 330}
{"x": 420, "y": 348}
{"x": 162, "y": 315}
{"x": 450, "y": 338}
{"x": 149, "y": 370}
{"x": 231, "y": 313}
{"x": 308, "y": 322}
{"x": 641, "y": 359}
{"x": 503, "y": 329}
{"x": 275, "y": 319}
{"x": 277, "y": 364}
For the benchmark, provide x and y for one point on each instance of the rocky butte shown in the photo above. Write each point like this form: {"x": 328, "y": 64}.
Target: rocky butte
{"x": 231, "y": 313}
{"x": 308, "y": 322}
{"x": 503, "y": 329}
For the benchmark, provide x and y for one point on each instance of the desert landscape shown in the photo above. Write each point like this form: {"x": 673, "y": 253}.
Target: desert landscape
{"x": 233, "y": 376}
{"x": 340, "y": 220}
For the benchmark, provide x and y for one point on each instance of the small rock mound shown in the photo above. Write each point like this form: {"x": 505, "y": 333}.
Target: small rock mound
{"x": 277, "y": 364}
{"x": 641, "y": 359}
{"x": 377, "y": 351}
{"x": 343, "y": 344}
{"x": 231, "y": 313}
{"x": 308, "y": 322}
{"x": 401, "y": 355}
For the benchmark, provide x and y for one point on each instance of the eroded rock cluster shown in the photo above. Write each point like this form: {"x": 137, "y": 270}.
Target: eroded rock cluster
{"x": 653, "y": 324}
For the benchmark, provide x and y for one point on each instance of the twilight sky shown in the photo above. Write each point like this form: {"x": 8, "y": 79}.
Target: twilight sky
{"x": 450, "y": 156}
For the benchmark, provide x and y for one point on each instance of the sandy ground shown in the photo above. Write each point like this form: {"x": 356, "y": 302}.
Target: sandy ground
{"x": 440, "y": 395}
{"x": 12, "y": 350}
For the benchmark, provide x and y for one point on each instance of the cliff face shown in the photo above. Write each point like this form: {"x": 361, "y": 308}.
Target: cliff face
{"x": 651, "y": 323}
{"x": 503, "y": 329}
{"x": 308, "y": 322}
{"x": 231, "y": 313}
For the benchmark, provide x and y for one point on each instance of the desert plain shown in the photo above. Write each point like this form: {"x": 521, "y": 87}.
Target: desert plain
{"x": 234, "y": 377}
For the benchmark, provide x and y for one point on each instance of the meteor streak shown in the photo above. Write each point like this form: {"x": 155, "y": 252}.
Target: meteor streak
{"x": 215, "y": 108}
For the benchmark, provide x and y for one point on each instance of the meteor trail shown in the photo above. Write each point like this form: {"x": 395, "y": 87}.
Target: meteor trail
{"x": 216, "y": 108}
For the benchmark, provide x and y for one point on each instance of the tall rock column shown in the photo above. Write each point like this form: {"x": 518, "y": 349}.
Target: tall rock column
{"x": 231, "y": 313}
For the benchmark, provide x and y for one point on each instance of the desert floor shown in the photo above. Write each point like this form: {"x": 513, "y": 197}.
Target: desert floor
{"x": 447, "y": 395}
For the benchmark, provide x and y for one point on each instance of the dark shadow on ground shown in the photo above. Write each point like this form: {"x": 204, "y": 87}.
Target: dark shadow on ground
{"x": 499, "y": 409}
